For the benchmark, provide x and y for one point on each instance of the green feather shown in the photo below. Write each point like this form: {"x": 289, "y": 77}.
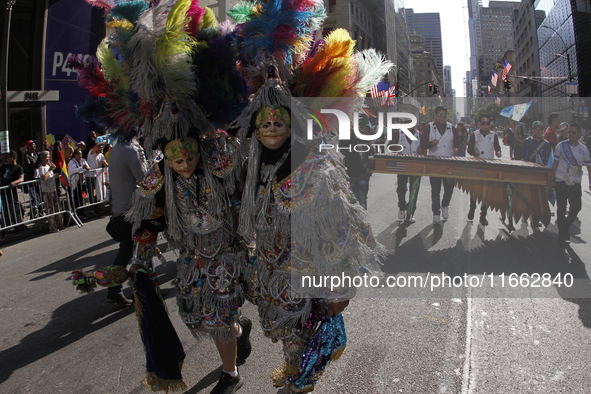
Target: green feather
{"x": 241, "y": 12}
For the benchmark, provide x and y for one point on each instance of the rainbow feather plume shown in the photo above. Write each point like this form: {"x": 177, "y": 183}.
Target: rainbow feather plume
{"x": 280, "y": 30}
{"x": 331, "y": 72}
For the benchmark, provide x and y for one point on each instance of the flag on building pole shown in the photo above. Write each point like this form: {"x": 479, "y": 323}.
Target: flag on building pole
{"x": 506, "y": 68}
{"x": 489, "y": 89}
{"x": 494, "y": 78}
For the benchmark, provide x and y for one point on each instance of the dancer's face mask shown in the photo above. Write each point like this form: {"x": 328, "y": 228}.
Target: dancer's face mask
{"x": 182, "y": 156}
{"x": 273, "y": 126}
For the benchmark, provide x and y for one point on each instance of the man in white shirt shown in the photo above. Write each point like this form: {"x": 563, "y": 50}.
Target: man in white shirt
{"x": 567, "y": 171}
{"x": 441, "y": 139}
{"x": 484, "y": 145}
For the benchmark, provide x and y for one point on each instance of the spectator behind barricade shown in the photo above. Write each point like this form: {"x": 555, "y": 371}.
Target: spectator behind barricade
{"x": 90, "y": 143}
{"x": 12, "y": 174}
{"x": 57, "y": 157}
{"x": 48, "y": 189}
{"x": 68, "y": 152}
{"x": 96, "y": 161}
{"x": 519, "y": 140}
{"x": 563, "y": 131}
{"x": 551, "y": 133}
{"x": 31, "y": 163}
{"x": 107, "y": 154}
{"x": 76, "y": 168}
{"x": 107, "y": 151}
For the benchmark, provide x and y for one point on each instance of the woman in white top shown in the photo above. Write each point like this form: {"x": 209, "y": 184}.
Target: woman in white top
{"x": 49, "y": 196}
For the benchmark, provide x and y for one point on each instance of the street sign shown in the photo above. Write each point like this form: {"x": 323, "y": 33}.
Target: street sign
{"x": 19, "y": 96}
{"x": 572, "y": 87}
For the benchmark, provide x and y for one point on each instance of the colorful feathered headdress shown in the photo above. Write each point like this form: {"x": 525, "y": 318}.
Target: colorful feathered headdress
{"x": 164, "y": 68}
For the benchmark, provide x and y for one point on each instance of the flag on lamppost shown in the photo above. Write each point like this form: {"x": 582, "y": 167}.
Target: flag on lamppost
{"x": 506, "y": 68}
{"x": 494, "y": 78}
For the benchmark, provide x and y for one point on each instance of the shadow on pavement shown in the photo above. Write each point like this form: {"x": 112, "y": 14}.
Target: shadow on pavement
{"x": 519, "y": 253}
{"x": 69, "y": 323}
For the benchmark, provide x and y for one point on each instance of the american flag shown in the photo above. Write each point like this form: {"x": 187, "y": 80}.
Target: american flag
{"x": 494, "y": 79}
{"x": 379, "y": 98}
{"x": 489, "y": 89}
{"x": 396, "y": 166}
{"x": 506, "y": 68}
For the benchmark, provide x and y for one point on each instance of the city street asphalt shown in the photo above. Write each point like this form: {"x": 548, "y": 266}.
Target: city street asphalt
{"x": 55, "y": 340}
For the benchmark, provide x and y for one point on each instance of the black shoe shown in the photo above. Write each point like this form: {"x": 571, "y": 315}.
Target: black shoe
{"x": 471, "y": 215}
{"x": 227, "y": 384}
{"x": 119, "y": 299}
{"x": 243, "y": 347}
{"x": 483, "y": 221}
{"x": 563, "y": 242}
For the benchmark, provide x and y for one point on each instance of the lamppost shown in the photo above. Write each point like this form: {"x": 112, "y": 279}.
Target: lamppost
{"x": 4, "y": 66}
{"x": 566, "y": 56}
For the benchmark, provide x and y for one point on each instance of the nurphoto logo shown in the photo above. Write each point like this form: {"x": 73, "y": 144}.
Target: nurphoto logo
{"x": 402, "y": 121}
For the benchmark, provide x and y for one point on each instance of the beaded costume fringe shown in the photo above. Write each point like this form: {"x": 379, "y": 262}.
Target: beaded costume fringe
{"x": 154, "y": 383}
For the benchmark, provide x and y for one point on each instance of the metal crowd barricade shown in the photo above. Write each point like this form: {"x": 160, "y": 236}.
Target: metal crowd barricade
{"x": 24, "y": 204}
{"x": 87, "y": 190}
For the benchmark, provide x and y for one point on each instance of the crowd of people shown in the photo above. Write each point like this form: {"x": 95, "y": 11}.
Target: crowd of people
{"x": 57, "y": 170}
{"x": 251, "y": 207}
{"x": 544, "y": 145}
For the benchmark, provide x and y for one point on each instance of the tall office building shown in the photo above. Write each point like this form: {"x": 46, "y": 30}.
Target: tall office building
{"x": 447, "y": 89}
{"x": 497, "y": 36}
{"x": 428, "y": 25}
{"x": 560, "y": 47}
{"x": 526, "y": 21}
{"x": 424, "y": 67}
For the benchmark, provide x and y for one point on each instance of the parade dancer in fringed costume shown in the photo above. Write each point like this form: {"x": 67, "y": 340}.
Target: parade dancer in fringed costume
{"x": 296, "y": 202}
{"x": 168, "y": 69}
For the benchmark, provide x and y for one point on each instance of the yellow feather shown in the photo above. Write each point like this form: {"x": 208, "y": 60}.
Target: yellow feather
{"x": 208, "y": 20}
{"x": 175, "y": 40}
{"x": 111, "y": 66}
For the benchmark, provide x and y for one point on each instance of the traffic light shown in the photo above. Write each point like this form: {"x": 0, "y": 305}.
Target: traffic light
{"x": 430, "y": 88}
{"x": 507, "y": 83}
{"x": 435, "y": 89}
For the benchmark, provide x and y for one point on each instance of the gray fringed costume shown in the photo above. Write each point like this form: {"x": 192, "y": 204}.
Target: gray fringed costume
{"x": 200, "y": 225}
{"x": 306, "y": 222}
